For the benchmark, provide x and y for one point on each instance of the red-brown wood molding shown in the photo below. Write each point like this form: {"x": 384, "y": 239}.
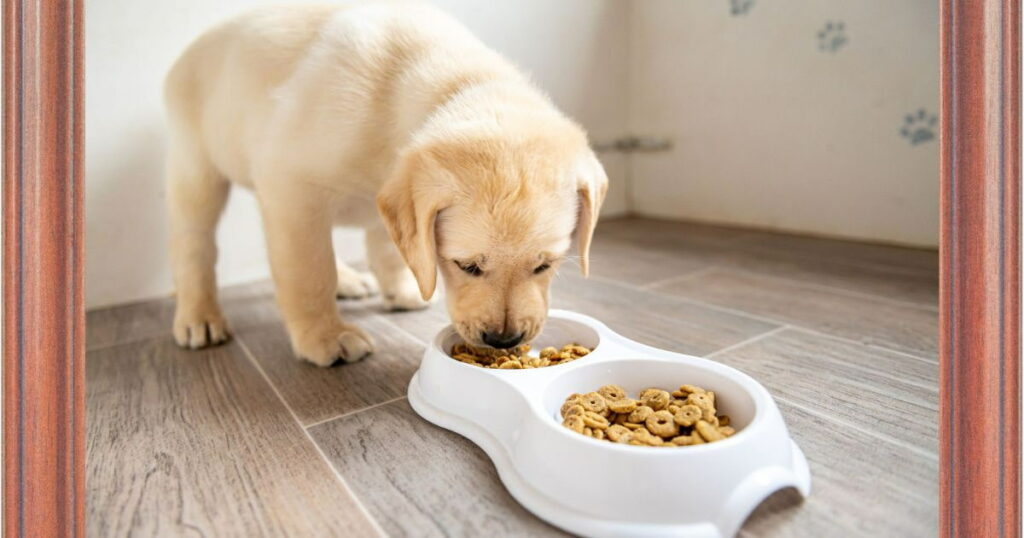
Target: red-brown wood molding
{"x": 43, "y": 333}
{"x": 979, "y": 394}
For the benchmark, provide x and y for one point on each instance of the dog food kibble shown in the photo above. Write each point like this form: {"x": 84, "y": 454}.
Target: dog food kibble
{"x": 656, "y": 417}
{"x": 517, "y": 358}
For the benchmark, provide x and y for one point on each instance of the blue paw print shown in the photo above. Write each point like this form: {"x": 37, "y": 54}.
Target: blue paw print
{"x": 832, "y": 37}
{"x": 919, "y": 128}
{"x": 740, "y": 7}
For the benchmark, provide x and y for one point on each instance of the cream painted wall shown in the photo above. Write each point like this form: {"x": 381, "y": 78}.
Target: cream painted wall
{"x": 773, "y": 128}
{"x": 574, "y": 48}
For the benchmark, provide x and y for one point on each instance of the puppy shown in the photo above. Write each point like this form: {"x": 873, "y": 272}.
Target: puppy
{"x": 393, "y": 118}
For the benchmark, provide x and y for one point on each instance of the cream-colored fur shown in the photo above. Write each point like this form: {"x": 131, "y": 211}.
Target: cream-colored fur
{"x": 343, "y": 115}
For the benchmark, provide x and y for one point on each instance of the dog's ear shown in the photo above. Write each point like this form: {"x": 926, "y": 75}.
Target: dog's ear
{"x": 592, "y": 186}
{"x": 409, "y": 203}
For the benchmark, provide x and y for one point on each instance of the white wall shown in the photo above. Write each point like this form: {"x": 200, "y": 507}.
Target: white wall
{"x": 772, "y": 131}
{"x": 574, "y": 48}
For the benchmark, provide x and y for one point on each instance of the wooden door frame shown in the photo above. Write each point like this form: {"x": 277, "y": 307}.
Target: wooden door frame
{"x": 43, "y": 330}
{"x": 979, "y": 304}
{"x": 44, "y": 320}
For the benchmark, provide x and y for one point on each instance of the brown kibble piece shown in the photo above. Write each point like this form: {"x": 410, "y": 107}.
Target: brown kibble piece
{"x": 727, "y": 431}
{"x": 656, "y": 399}
{"x": 688, "y": 415}
{"x": 574, "y": 423}
{"x": 511, "y": 365}
{"x": 708, "y": 432}
{"x": 623, "y": 405}
{"x": 701, "y": 400}
{"x": 662, "y": 424}
{"x": 686, "y": 390}
{"x": 724, "y": 420}
{"x": 612, "y": 392}
{"x": 684, "y": 440}
{"x": 575, "y": 409}
{"x": 647, "y": 438}
{"x": 594, "y": 420}
{"x": 640, "y": 414}
{"x": 593, "y": 401}
{"x": 615, "y": 431}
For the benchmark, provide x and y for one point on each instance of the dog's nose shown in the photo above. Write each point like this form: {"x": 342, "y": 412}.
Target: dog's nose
{"x": 501, "y": 341}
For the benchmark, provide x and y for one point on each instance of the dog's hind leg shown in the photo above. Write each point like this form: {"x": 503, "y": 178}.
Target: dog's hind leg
{"x": 196, "y": 194}
{"x": 353, "y": 284}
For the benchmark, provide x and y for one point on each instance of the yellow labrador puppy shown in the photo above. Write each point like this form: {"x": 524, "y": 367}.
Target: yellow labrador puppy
{"x": 389, "y": 117}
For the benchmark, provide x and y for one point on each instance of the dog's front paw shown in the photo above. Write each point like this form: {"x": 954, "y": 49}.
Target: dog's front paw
{"x": 199, "y": 327}
{"x": 354, "y": 284}
{"x": 326, "y": 346}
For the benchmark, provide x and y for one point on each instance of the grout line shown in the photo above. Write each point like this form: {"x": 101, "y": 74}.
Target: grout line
{"x": 773, "y": 321}
{"x": 129, "y": 340}
{"x": 395, "y": 326}
{"x": 679, "y": 278}
{"x": 814, "y": 332}
{"x": 834, "y": 289}
{"x": 750, "y": 340}
{"x": 902, "y": 444}
{"x": 353, "y": 412}
{"x": 344, "y": 484}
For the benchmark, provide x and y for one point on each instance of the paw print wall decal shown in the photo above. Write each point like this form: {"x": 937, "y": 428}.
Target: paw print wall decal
{"x": 919, "y": 128}
{"x": 740, "y": 7}
{"x": 832, "y": 37}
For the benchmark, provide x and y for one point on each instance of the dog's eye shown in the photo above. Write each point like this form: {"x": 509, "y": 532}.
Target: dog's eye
{"x": 541, "y": 268}
{"x": 470, "y": 268}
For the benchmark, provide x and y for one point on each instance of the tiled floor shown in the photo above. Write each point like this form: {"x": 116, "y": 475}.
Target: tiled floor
{"x": 242, "y": 440}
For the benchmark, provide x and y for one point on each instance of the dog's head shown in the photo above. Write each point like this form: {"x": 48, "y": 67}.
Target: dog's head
{"x": 497, "y": 218}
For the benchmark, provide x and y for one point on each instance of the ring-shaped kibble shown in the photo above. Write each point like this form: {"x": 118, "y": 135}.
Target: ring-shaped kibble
{"x": 640, "y": 414}
{"x": 575, "y": 409}
{"x": 656, "y": 399}
{"x": 647, "y": 438}
{"x": 623, "y": 405}
{"x": 612, "y": 392}
{"x": 548, "y": 352}
{"x": 574, "y": 423}
{"x": 701, "y": 400}
{"x": 690, "y": 389}
{"x": 662, "y": 424}
{"x": 594, "y": 420}
{"x": 688, "y": 415}
{"x": 708, "y": 432}
{"x": 593, "y": 401}
{"x": 615, "y": 431}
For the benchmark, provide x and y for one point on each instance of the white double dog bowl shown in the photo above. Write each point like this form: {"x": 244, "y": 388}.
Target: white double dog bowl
{"x": 597, "y": 488}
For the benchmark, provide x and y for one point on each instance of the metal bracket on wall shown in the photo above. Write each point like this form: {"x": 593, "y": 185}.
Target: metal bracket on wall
{"x": 631, "y": 144}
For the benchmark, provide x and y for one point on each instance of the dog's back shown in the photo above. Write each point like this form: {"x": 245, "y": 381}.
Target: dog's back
{"x": 313, "y": 76}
